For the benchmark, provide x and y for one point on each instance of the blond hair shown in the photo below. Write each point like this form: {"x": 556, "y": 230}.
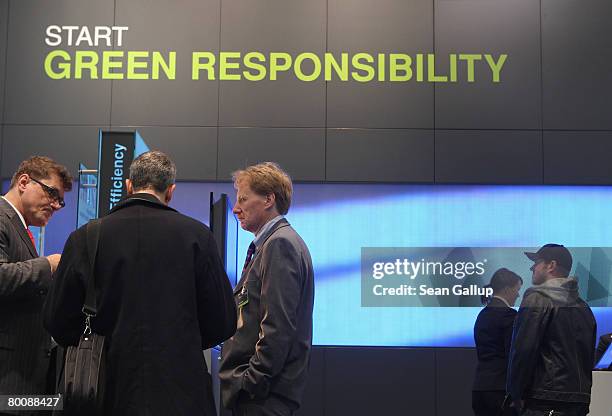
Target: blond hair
{"x": 268, "y": 178}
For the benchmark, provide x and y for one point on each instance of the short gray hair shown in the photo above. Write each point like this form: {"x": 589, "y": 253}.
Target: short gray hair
{"x": 154, "y": 170}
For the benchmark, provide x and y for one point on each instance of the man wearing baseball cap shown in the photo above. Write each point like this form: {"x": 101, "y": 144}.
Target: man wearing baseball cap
{"x": 553, "y": 342}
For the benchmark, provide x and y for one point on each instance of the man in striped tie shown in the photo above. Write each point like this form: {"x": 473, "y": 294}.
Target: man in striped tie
{"x": 36, "y": 192}
{"x": 264, "y": 365}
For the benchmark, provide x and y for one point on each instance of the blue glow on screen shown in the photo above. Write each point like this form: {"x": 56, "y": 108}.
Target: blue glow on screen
{"x": 336, "y": 220}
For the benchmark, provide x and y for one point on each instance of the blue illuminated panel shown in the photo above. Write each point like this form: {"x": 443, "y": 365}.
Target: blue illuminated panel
{"x": 337, "y": 220}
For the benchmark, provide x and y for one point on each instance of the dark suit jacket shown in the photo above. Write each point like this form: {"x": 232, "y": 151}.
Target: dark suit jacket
{"x": 602, "y": 346}
{"x": 493, "y": 335}
{"x": 24, "y": 282}
{"x": 163, "y": 296}
{"x": 270, "y": 351}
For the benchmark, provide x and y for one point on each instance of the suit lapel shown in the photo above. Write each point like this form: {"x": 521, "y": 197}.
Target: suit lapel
{"x": 245, "y": 272}
{"x": 17, "y": 225}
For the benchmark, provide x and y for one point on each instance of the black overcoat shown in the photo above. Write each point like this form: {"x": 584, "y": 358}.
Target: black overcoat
{"x": 163, "y": 296}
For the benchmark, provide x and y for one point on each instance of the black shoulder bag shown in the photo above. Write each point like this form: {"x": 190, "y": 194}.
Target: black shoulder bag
{"x": 85, "y": 363}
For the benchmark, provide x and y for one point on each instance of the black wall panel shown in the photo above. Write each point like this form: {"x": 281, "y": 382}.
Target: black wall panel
{"x": 455, "y": 369}
{"x": 314, "y": 395}
{"x": 489, "y": 156}
{"x": 489, "y": 27}
{"x": 577, "y": 157}
{"x": 2, "y": 160}
{"x": 577, "y": 64}
{"x": 299, "y": 151}
{"x": 370, "y": 155}
{"x": 33, "y": 98}
{"x": 3, "y": 34}
{"x": 3, "y": 40}
{"x": 378, "y": 131}
{"x": 193, "y": 149}
{"x": 192, "y": 26}
{"x": 68, "y": 145}
{"x": 379, "y": 381}
{"x": 383, "y": 26}
{"x": 273, "y": 26}
{"x": 366, "y": 381}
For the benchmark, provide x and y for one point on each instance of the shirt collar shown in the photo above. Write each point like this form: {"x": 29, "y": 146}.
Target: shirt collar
{"x": 17, "y": 211}
{"x": 503, "y": 300}
{"x": 264, "y": 230}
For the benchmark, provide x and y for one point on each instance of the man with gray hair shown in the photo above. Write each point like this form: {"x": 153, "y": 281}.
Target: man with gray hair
{"x": 162, "y": 296}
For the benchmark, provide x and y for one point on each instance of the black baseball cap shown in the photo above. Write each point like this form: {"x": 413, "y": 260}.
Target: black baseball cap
{"x": 549, "y": 252}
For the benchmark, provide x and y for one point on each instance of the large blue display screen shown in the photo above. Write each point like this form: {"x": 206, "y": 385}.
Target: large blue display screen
{"x": 336, "y": 221}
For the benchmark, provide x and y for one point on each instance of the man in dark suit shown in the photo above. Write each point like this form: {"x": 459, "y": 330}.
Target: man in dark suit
{"x": 36, "y": 192}
{"x": 492, "y": 335}
{"x": 162, "y": 295}
{"x": 264, "y": 365}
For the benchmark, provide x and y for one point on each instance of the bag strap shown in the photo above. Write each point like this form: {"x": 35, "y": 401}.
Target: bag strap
{"x": 93, "y": 236}
{"x": 506, "y": 405}
{"x": 92, "y": 233}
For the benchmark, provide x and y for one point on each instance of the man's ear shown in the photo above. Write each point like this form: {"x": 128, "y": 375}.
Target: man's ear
{"x": 270, "y": 201}
{"x": 22, "y": 181}
{"x": 129, "y": 187}
{"x": 169, "y": 193}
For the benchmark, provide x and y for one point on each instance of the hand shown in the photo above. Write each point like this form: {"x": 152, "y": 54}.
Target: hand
{"x": 54, "y": 260}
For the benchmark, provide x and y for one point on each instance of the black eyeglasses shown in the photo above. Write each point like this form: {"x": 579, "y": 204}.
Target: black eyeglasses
{"x": 52, "y": 192}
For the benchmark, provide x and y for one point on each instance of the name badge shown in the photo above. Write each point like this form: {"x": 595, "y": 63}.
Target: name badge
{"x": 243, "y": 297}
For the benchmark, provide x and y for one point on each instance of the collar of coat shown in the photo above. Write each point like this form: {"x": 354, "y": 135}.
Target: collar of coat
{"x": 10, "y": 212}
{"x": 141, "y": 198}
{"x": 264, "y": 237}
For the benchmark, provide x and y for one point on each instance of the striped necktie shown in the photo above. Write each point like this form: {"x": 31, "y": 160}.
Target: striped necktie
{"x": 249, "y": 255}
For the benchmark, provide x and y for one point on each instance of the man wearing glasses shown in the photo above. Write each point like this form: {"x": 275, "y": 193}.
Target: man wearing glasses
{"x": 36, "y": 192}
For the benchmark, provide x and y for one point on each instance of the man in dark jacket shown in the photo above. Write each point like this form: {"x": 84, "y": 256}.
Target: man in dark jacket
{"x": 264, "y": 365}
{"x": 553, "y": 342}
{"x": 162, "y": 297}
